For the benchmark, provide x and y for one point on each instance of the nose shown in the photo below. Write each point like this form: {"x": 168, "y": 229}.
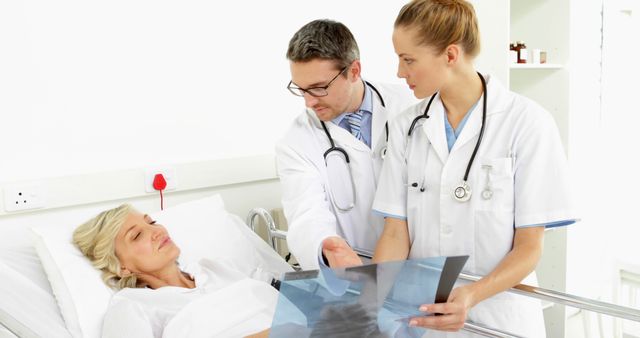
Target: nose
{"x": 401, "y": 74}
{"x": 157, "y": 233}
{"x": 309, "y": 100}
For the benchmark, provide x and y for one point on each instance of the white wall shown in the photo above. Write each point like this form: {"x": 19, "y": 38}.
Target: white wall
{"x": 604, "y": 143}
{"x": 586, "y": 22}
{"x": 100, "y": 86}
{"x": 493, "y": 22}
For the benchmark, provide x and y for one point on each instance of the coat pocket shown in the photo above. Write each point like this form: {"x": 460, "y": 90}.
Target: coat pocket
{"x": 495, "y": 184}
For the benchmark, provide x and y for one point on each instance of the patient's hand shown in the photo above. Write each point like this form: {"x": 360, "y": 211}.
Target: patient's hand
{"x": 339, "y": 253}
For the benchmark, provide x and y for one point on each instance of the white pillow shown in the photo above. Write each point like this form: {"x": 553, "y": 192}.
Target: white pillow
{"x": 26, "y": 309}
{"x": 201, "y": 228}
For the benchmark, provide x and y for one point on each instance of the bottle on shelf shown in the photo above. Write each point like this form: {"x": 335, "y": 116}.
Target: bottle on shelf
{"x": 513, "y": 53}
{"x": 522, "y": 52}
{"x": 535, "y": 57}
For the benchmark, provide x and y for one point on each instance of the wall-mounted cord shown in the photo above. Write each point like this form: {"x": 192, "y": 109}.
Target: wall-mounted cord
{"x": 159, "y": 183}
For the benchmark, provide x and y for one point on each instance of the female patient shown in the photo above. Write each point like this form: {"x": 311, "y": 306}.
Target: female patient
{"x": 157, "y": 297}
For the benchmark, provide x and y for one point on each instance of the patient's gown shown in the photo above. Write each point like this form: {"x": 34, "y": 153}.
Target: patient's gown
{"x": 224, "y": 303}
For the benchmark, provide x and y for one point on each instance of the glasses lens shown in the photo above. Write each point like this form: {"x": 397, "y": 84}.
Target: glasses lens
{"x": 317, "y": 92}
{"x": 296, "y": 91}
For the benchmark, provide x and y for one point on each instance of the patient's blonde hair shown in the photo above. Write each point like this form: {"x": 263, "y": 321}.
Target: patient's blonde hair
{"x": 96, "y": 239}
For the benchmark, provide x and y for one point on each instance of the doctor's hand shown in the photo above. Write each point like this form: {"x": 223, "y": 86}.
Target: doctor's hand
{"x": 339, "y": 253}
{"x": 453, "y": 312}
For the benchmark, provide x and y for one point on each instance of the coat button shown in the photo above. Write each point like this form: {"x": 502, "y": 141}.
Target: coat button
{"x": 445, "y": 229}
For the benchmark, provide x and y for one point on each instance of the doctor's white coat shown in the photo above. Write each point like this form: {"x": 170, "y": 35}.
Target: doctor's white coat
{"x": 520, "y": 159}
{"x": 306, "y": 189}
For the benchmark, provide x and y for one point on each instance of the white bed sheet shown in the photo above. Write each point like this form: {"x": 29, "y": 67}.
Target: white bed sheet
{"x": 25, "y": 261}
{"x": 5, "y": 333}
{"x": 27, "y": 305}
{"x": 26, "y": 309}
{"x": 17, "y": 251}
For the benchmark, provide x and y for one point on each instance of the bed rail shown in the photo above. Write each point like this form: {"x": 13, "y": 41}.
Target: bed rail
{"x": 273, "y": 233}
{"x": 556, "y": 297}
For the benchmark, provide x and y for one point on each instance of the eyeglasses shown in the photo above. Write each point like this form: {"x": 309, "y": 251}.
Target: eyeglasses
{"x": 313, "y": 91}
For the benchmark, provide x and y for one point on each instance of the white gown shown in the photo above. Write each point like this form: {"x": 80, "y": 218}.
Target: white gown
{"x": 224, "y": 303}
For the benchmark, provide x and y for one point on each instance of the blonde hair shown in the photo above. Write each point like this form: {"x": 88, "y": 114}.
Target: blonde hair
{"x": 96, "y": 239}
{"x": 440, "y": 23}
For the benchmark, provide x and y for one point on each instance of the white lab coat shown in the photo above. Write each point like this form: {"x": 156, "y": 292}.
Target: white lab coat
{"x": 528, "y": 177}
{"x": 307, "y": 192}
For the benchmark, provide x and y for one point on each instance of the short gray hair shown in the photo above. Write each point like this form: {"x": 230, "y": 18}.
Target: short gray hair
{"x": 324, "y": 39}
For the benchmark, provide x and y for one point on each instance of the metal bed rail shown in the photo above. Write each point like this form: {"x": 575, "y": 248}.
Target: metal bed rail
{"x": 555, "y": 296}
{"x": 273, "y": 233}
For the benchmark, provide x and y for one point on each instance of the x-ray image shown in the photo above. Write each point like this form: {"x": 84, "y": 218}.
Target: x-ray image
{"x": 375, "y": 300}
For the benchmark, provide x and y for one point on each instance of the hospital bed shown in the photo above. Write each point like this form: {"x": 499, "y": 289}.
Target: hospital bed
{"x": 28, "y": 307}
{"x": 48, "y": 289}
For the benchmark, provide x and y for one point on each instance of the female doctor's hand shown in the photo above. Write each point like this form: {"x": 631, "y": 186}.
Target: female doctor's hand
{"x": 339, "y": 253}
{"x": 453, "y": 312}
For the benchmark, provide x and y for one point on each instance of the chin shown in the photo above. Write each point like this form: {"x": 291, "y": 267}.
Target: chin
{"x": 173, "y": 253}
{"x": 325, "y": 115}
{"x": 422, "y": 94}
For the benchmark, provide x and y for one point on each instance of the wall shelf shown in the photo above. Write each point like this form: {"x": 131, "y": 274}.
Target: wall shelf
{"x": 535, "y": 66}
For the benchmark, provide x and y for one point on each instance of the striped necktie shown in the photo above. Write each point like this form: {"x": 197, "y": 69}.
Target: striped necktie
{"x": 355, "y": 119}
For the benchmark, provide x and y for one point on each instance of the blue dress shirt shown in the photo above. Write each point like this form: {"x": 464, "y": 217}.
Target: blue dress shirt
{"x": 367, "y": 115}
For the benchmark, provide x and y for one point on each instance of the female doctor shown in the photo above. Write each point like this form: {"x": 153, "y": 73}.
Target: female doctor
{"x": 473, "y": 169}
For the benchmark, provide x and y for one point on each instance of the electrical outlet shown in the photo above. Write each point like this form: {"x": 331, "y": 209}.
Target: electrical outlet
{"x": 169, "y": 174}
{"x": 23, "y": 197}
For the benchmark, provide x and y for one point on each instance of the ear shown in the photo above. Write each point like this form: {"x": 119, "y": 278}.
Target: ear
{"x": 124, "y": 272}
{"x": 453, "y": 54}
{"x": 355, "y": 71}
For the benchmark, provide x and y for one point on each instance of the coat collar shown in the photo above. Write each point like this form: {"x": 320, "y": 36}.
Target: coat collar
{"x": 434, "y": 126}
{"x": 345, "y": 138}
{"x": 379, "y": 117}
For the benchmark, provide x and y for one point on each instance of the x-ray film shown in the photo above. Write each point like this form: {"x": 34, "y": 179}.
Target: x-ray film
{"x": 375, "y": 300}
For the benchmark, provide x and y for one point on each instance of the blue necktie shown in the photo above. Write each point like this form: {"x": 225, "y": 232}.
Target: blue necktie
{"x": 355, "y": 119}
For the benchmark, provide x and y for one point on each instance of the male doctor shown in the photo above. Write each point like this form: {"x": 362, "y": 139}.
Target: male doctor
{"x": 330, "y": 158}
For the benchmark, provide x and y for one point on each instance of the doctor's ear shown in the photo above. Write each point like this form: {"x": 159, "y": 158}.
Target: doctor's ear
{"x": 453, "y": 53}
{"x": 355, "y": 70}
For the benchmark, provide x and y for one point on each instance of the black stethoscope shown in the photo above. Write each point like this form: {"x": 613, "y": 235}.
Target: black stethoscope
{"x": 462, "y": 191}
{"x": 334, "y": 148}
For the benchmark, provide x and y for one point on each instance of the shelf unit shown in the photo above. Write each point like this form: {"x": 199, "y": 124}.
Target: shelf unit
{"x": 544, "y": 25}
{"x": 535, "y": 66}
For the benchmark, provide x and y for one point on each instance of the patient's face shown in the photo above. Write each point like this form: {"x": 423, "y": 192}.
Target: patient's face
{"x": 144, "y": 247}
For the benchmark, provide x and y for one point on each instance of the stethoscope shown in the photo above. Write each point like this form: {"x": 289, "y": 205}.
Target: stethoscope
{"x": 334, "y": 148}
{"x": 462, "y": 191}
